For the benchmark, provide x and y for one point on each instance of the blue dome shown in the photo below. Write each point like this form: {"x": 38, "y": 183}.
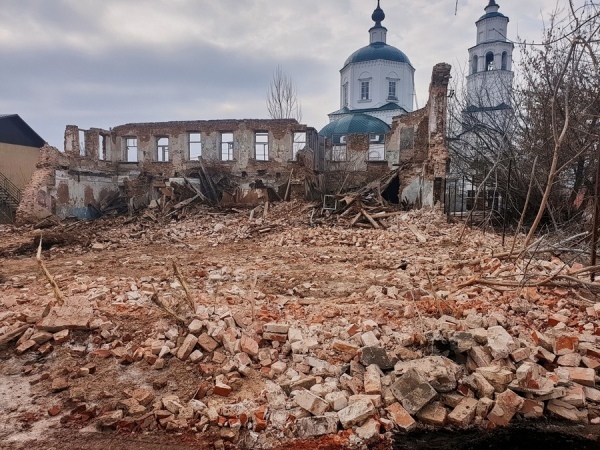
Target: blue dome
{"x": 355, "y": 124}
{"x": 375, "y": 51}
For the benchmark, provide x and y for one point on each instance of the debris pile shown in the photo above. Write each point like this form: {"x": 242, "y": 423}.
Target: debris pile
{"x": 251, "y": 340}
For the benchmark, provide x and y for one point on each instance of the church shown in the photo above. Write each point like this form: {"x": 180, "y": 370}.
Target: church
{"x": 376, "y": 84}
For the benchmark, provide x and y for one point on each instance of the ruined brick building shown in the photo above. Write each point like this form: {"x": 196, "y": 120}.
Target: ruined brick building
{"x": 256, "y": 160}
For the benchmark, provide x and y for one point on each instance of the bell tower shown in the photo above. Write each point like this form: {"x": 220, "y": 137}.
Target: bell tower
{"x": 490, "y": 79}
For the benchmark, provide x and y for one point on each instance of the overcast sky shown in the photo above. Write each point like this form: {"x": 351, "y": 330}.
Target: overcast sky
{"x": 102, "y": 63}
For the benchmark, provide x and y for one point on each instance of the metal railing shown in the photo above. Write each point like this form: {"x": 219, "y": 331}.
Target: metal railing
{"x": 10, "y": 189}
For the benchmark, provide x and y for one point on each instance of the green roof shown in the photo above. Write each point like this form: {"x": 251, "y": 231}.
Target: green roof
{"x": 375, "y": 51}
{"x": 355, "y": 124}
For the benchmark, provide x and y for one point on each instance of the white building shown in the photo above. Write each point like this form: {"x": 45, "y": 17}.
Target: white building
{"x": 490, "y": 79}
{"x": 376, "y": 84}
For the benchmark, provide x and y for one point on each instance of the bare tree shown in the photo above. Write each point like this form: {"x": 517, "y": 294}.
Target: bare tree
{"x": 282, "y": 97}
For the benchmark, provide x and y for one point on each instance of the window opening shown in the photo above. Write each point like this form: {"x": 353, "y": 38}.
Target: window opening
{"x": 298, "y": 144}
{"x": 504, "y": 61}
{"x": 227, "y": 146}
{"x": 364, "y": 90}
{"x": 392, "y": 91}
{"x": 82, "y": 151}
{"x": 194, "y": 146}
{"x": 261, "y": 148}
{"x": 338, "y": 151}
{"x": 131, "y": 150}
{"x": 489, "y": 61}
{"x": 475, "y": 62}
{"x": 101, "y": 147}
{"x": 345, "y": 95}
{"x": 162, "y": 149}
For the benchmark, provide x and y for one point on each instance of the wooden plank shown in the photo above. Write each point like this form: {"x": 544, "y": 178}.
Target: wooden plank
{"x": 370, "y": 219}
{"x": 422, "y": 239}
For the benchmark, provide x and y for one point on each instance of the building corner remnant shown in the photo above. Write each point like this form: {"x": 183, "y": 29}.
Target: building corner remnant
{"x": 418, "y": 141}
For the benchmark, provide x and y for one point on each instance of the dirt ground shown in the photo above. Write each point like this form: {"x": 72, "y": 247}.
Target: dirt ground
{"x": 279, "y": 268}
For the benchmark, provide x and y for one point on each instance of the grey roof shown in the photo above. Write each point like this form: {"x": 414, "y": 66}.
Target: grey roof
{"x": 355, "y": 124}
{"x": 375, "y": 51}
{"x": 14, "y": 130}
{"x": 490, "y": 15}
{"x": 387, "y": 107}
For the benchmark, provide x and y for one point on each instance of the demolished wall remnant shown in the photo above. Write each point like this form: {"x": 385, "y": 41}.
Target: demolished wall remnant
{"x": 418, "y": 142}
{"x": 99, "y": 164}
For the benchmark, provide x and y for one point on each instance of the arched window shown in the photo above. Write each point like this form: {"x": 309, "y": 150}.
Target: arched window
{"x": 504, "y": 61}
{"x": 489, "y": 61}
{"x": 474, "y": 64}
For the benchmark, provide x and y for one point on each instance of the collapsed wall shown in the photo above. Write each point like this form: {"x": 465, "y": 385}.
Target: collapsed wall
{"x": 65, "y": 187}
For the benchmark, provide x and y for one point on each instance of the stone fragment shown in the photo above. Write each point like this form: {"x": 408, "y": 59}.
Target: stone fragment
{"x": 25, "y": 347}
{"x": 500, "y": 343}
{"x": 372, "y": 380}
{"x": 196, "y": 356}
{"x": 369, "y": 339}
{"x": 352, "y": 384}
{"x": 375, "y": 399}
{"x": 316, "y": 426}
{"x": 274, "y": 337}
{"x": 401, "y": 417}
{"x": 207, "y": 343}
{"x": 294, "y": 335}
{"x": 59, "y": 384}
{"x": 337, "y": 400}
{"x": 356, "y": 413}
{"x": 195, "y": 326}
{"x": 591, "y": 363}
{"x": 369, "y": 430}
{"x": 565, "y": 344}
{"x": 544, "y": 355}
{"x": 143, "y": 396}
{"x": 312, "y": 403}
{"x": 586, "y": 377}
{"x": 249, "y": 345}
{"x": 462, "y": 342}
{"x": 521, "y": 354}
{"x": 498, "y": 377}
{"x": 543, "y": 340}
{"x": 532, "y": 409}
{"x": 433, "y": 414}
{"x": 481, "y": 356}
{"x": 507, "y": 405}
{"x": 109, "y": 419}
{"x": 575, "y": 396}
{"x": 279, "y": 328}
{"x": 591, "y": 394}
{"x": 41, "y": 337}
{"x": 345, "y": 347}
{"x": 67, "y": 316}
{"x": 413, "y": 391}
{"x": 187, "y": 347}
{"x": 222, "y": 388}
{"x": 464, "y": 413}
{"x": 569, "y": 360}
{"x": 555, "y": 319}
{"x": 376, "y": 355}
{"x": 484, "y": 406}
{"x": 563, "y": 410}
{"x": 61, "y": 336}
{"x": 440, "y": 372}
{"x": 172, "y": 403}
{"x": 303, "y": 383}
